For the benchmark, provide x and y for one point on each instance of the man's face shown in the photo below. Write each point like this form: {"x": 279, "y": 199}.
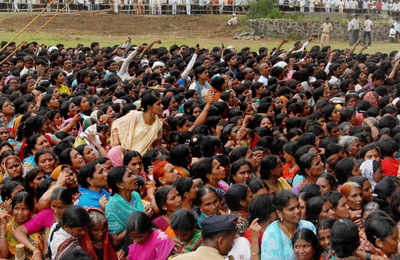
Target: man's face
{"x": 225, "y": 243}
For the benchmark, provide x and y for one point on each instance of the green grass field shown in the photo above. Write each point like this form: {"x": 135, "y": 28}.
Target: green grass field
{"x": 167, "y": 34}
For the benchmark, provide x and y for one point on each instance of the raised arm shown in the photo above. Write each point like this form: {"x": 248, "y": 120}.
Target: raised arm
{"x": 190, "y": 65}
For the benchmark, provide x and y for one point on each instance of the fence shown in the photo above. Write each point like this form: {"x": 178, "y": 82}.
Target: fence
{"x": 133, "y": 8}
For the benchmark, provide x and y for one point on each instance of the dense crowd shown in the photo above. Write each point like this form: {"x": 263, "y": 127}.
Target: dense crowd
{"x": 147, "y": 152}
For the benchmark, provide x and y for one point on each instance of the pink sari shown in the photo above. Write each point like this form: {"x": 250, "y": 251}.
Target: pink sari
{"x": 158, "y": 246}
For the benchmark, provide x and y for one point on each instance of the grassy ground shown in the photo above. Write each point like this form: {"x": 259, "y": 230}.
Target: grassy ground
{"x": 208, "y": 31}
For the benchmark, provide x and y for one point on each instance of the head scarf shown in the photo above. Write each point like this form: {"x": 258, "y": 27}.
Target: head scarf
{"x": 368, "y": 169}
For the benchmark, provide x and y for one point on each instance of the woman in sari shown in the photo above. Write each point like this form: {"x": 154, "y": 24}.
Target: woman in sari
{"x": 138, "y": 130}
{"x": 123, "y": 202}
{"x": 147, "y": 242}
{"x": 22, "y": 208}
{"x": 184, "y": 224}
{"x": 168, "y": 200}
{"x": 97, "y": 241}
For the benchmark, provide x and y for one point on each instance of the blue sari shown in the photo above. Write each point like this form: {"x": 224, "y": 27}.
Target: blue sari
{"x": 276, "y": 245}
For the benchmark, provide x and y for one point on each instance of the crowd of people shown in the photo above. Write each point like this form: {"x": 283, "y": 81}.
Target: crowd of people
{"x": 152, "y": 153}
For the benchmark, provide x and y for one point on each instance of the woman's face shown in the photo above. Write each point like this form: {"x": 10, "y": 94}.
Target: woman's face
{"x": 327, "y": 211}
{"x": 8, "y": 108}
{"x": 356, "y": 170}
{"x": 378, "y": 175}
{"x": 14, "y": 167}
{"x": 317, "y": 167}
{"x": 196, "y": 112}
{"x": 390, "y": 243}
{"x": 367, "y": 191}
{"x": 37, "y": 180}
{"x": 128, "y": 181}
{"x": 21, "y": 213}
{"x": 209, "y": 204}
{"x": 243, "y": 174}
{"x": 41, "y": 144}
{"x": 325, "y": 238}
{"x": 139, "y": 238}
{"x": 98, "y": 231}
{"x": 4, "y": 134}
{"x": 88, "y": 154}
{"x": 265, "y": 122}
{"x": 135, "y": 164}
{"x": 324, "y": 185}
{"x": 335, "y": 116}
{"x": 277, "y": 171}
{"x": 342, "y": 209}
{"x": 71, "y": 178}
{"x": 76, "y": 159}
{"x": 72, "y": 110}
{"x": 60, "y": 78}
{"x": 157, "y": 108}
{"x": 53, "y": 102}
{"x": 58, "y": 208}
{"x": 218, "y": 171}
{"x": 76, "y": 232}
{"x": 99, "y": 179}
{"x": 84, "y": 105}
{"x": 46, "y": 163}
{"x": 174, "y": 201}
{"x": 303, "y": 250}
{"x": 57, "y": 121}
{"x": 372, "y": 155}
{"x": 291, "y": 213}
{"x": 354, "y": 199}
{"x": 170, "y": 175}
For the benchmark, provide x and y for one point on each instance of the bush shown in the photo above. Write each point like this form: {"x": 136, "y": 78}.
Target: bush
{"x": 263, "y": 9}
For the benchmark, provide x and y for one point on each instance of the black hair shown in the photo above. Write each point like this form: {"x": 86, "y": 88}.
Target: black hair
{"x": 236, "y": 166}
{"x": 180, "y": 155}
{"x": 183, "y": 185}
{"x": 149, "y": 99}
{"x": 344, "y": 238}
{"x": 24, "y": 197}
{"x": 75, "y": 216}
{"x": 236, "y": 193}
{"x": 343, "y": 169}
{"x": 202, "y": 192}
{"x": 314, "y": 208}
{"x": 65, "y": 156}
{"x": 62, "y": 194}
{"x": 86, "y": 172}
{"x": 139, "y": 222}
{"x": 115, "y": 177}
{"x": 305, "y": 161}
{"x": 388, "y": 147}
{"x": 76, "y": 253}
{"x": 161, "y": 197}
{"x": 282, "y": 198}
{"x": 267, "y": 165}
{"x": 129, "y": 155}
{"x": 8, "y": 188}
{"x": 41, "y": 152}
{"x": 308, "y": 236}
{"x": 201, "y": 168}
{"x": 183, "y": 220}
{"x": 256, "y": 184}
{"x": 377, "y": 227}
{"x": 326, "y": 223}
{"x": 261, "y": 207}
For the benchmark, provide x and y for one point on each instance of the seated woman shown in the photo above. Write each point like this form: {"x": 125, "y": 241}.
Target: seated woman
{"x": 92, "y": 179}
{"x": 123, "y": 202}
{"x": 276, "y": 242}
{"x": 168, "y": 200}
{"x": 147, "y": 242}
{"x": 44, "y": 220}
{"x": 97, "y": 241}
{"x": 184, "y": 224}
{"x": 22, "y": 209}
{"x": 66, "y": 234}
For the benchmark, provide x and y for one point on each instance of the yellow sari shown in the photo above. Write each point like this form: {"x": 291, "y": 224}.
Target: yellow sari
{"x": 131, "y": 132}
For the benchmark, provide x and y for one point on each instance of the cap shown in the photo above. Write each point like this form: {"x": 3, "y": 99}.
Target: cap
{"x": 158, "y": 64}
{"x": 219, "y": 223}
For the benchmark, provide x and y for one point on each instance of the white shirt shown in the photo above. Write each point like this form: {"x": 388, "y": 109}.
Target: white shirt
{"x": 263, "y": 80}
{"x": 368, "y": 25}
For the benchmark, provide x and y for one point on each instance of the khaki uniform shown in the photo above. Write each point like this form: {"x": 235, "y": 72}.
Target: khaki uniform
{"x": 201, "y": 253}
{"x": 326, "y": 29}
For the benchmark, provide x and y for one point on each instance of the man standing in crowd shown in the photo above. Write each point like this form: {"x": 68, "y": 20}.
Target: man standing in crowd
{"x": 326, "y": 30}
{"x": 354, "y": 30}
{"x": 218, "y": 236}
{"x": 367, "y": 30}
